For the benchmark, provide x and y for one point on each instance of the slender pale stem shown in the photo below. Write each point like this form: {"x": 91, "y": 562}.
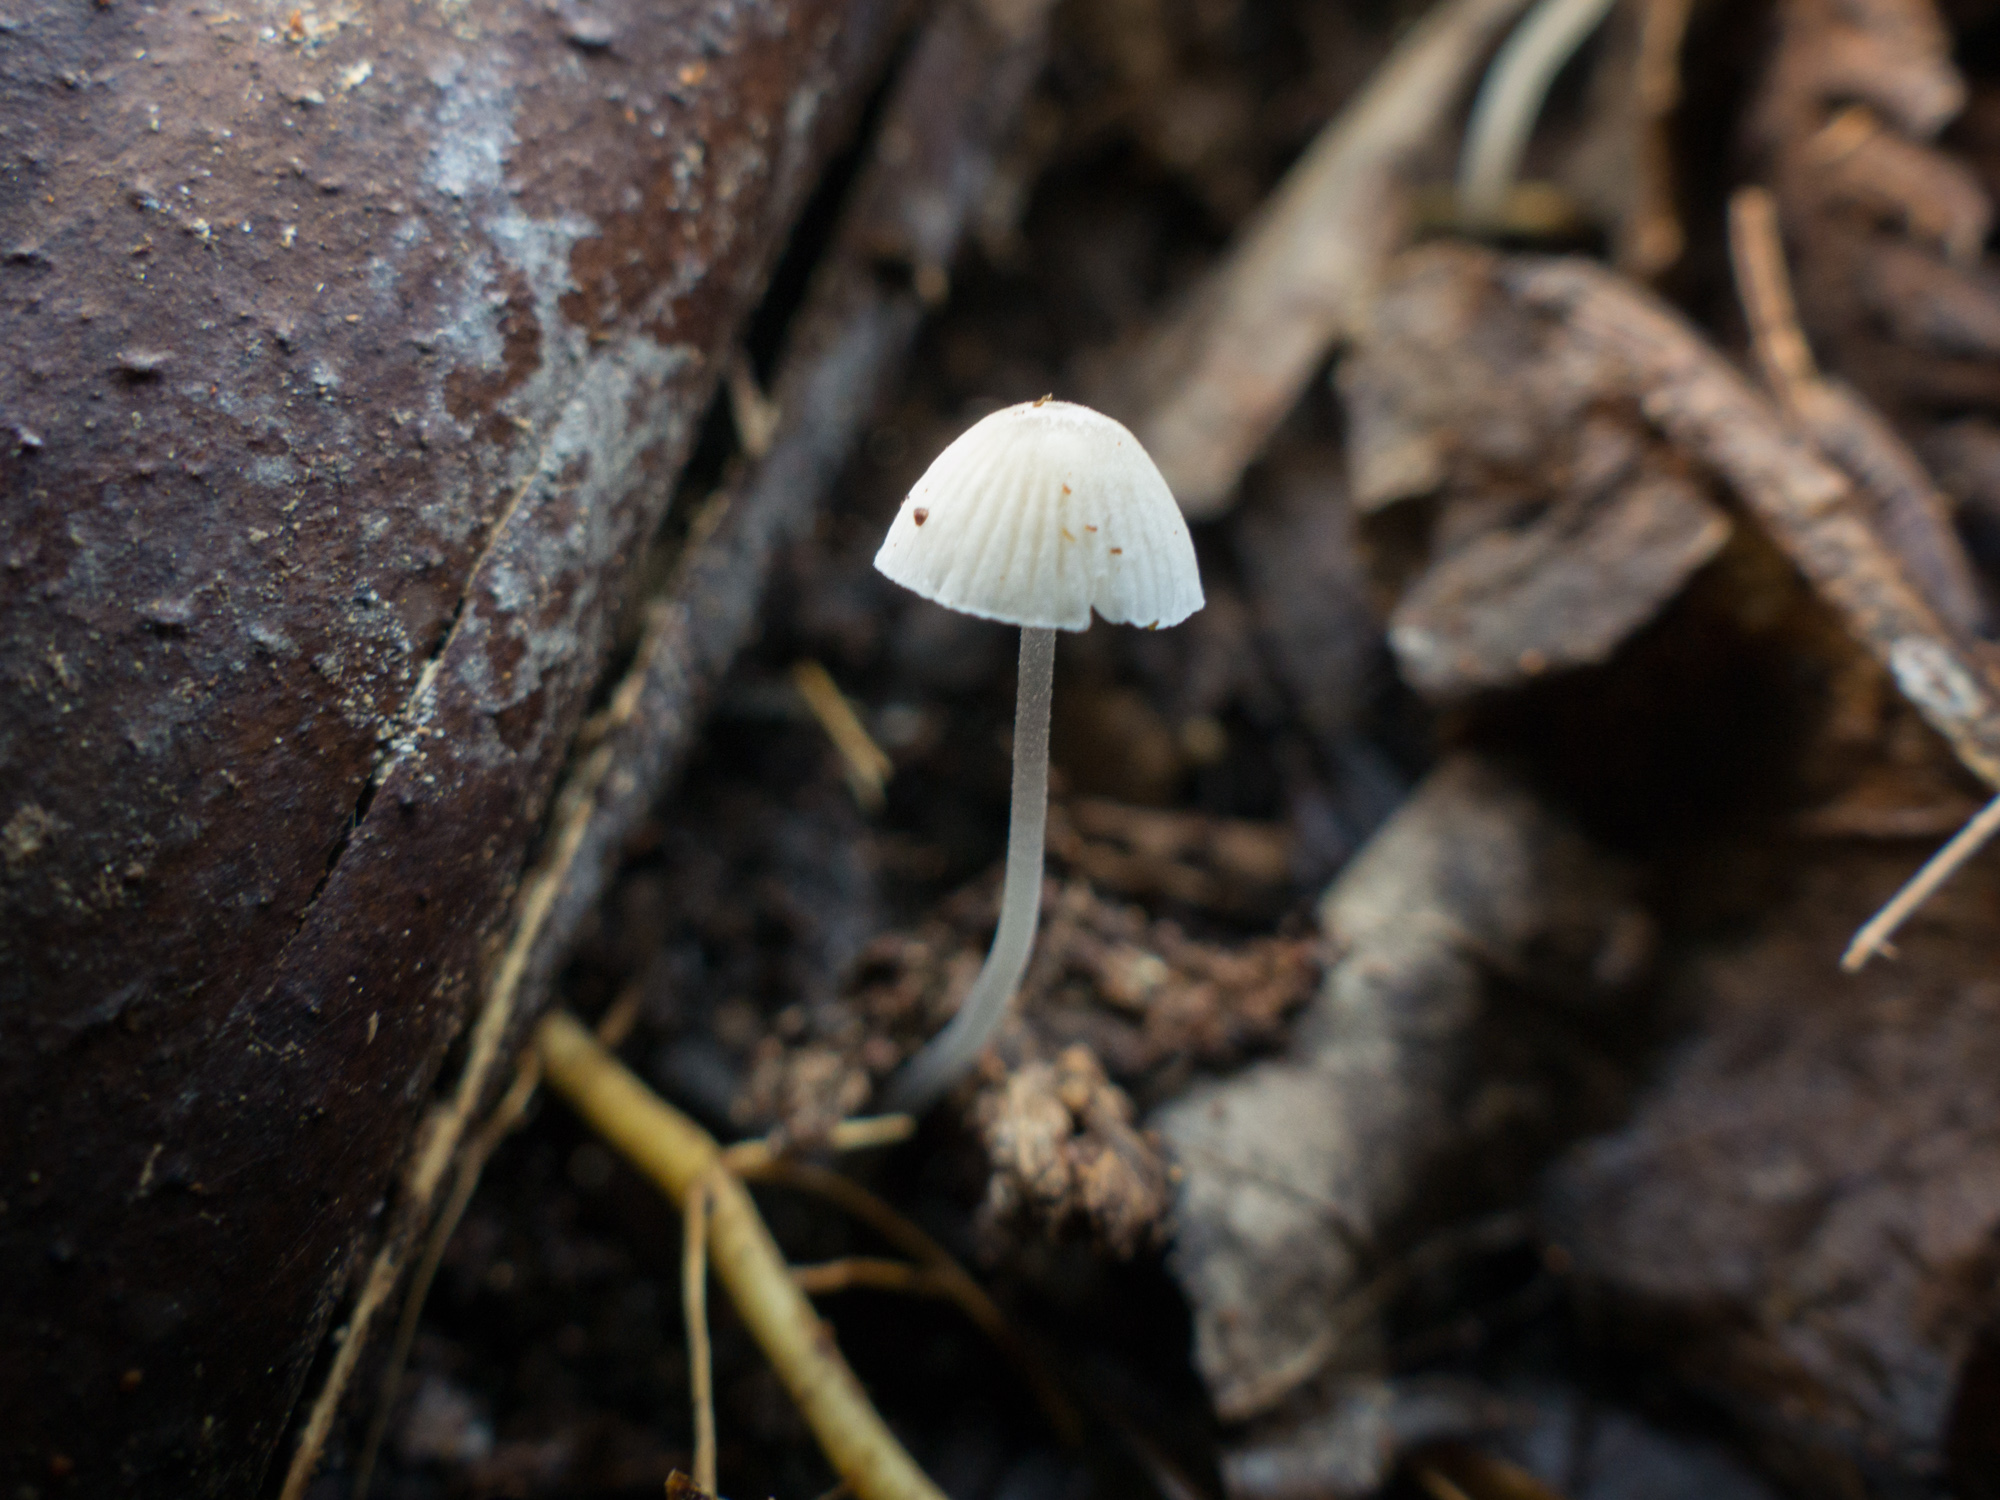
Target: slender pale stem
{"x": 948, "y": 1054}
{"x": 1503, "y": 116}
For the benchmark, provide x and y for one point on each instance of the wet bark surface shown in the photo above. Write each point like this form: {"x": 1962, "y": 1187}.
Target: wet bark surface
{"x": 350, "y": 359}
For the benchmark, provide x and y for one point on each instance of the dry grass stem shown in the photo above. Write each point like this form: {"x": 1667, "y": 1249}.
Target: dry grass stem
{"x": 948, "y": 1278}
{"x": 864, "y": 1132}
{"x": 868, "y": 766}
{"x": 1833, "y": 416}
{"x": 754, "y": 413}
{"x": 680, "y": 1157}
{"x": 471, "y": 1164}
{"x": 1913, "y": 518}
{"x": 694, "y": 1302}
{"x": 872, "y": 1272}
{"x": 438, "y": 1144}
{"x": 615, "y": 1026}
{"x": 1651, "y": 239}
{"x": 1437, "y": 1485}
{"x": 1757, "y": 254}
{"x": 1873, "y": 938}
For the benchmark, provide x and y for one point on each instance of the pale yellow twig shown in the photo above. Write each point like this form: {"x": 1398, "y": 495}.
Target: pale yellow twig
{"x": 472, "y": 1162}
{"x": 1789, "y": 369}
{"x": 747, "y": 1158}
{"x": 868, "y": 765}
{"x": 1757, "y": 253}
{"x": 1651, "y": 238}
{"x": 947, "y": 1277}
{"x": 754, "y": 413}
{"x": 439, "y": 1142}
{"x": 1874, "y": 936}
{"x": 678, "y": 1154}
{"x": 1437, "y": 1485}
{"x": 694, "y": 1299}
{"x": 871, "y": 1271}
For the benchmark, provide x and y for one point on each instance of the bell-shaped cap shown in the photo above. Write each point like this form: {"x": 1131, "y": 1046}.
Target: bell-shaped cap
{"x": 1041, "y": 513}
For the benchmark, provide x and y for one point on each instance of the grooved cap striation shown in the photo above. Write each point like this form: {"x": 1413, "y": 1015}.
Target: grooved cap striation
{"x": 1039, "y": 514}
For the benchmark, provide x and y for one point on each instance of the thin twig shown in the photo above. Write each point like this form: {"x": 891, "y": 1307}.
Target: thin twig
{"x": 952, "y": 1279}
{"x": 873, "y": 1272}
{"x": 1437, "y": 1485}
{"x": 868, "y": 766}
{"x": 1873, "y": 938}
{"x": 1909, "y": 511}
{"x": 440, "y": 1143}
{"x": 1650, "y": 239}
{"x": 694, "y": 1301}
{"x": 1914, "y": 517}
{"x": 862, "y": 1133}
{"x": 680, "y": 1156}
{"x": 471, "y": 1163}
{"x": 1757, "y": 254}
{"x": 754, "y": 413}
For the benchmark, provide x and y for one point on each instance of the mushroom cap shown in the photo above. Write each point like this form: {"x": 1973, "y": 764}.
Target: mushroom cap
{"x": 1039, "y": 514}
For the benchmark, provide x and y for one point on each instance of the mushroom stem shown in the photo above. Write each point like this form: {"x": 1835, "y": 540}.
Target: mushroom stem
{"x": 948, "y": 1054}
{"x": 1510, "y": 99}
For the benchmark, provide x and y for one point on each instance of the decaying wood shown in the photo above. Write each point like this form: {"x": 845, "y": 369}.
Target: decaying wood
{"x": 1809, "y": 507}
{"x": 349, "y": 364}
{"x": 1562, "y": 524}
{"x": 852, "y": 331}
{"x": 1299, "y": 1171}
{"x": 1801, "y": 1216}
{"x": 1213, "y": 384}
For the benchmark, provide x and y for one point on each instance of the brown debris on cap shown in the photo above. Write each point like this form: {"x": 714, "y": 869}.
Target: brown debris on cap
{"x": 1039, "y": 514}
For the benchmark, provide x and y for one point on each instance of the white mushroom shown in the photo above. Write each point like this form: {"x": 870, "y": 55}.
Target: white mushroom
{"x": 1036, "y": 515}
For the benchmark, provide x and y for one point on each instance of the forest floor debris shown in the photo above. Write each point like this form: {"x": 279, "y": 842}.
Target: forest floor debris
{"x": 1304, "y": 1173}
{"x": 1802, "y": 1211}
{"x": 1678, "y": 669}
{"x": 1111, "y": 1001}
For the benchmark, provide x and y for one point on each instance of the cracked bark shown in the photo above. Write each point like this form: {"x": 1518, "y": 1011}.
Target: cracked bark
{"x": 347, "y": 368}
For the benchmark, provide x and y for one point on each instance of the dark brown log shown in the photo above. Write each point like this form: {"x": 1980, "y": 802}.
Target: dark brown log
{"x": 346, "y": 360}
{"x": 957, "y": 94}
